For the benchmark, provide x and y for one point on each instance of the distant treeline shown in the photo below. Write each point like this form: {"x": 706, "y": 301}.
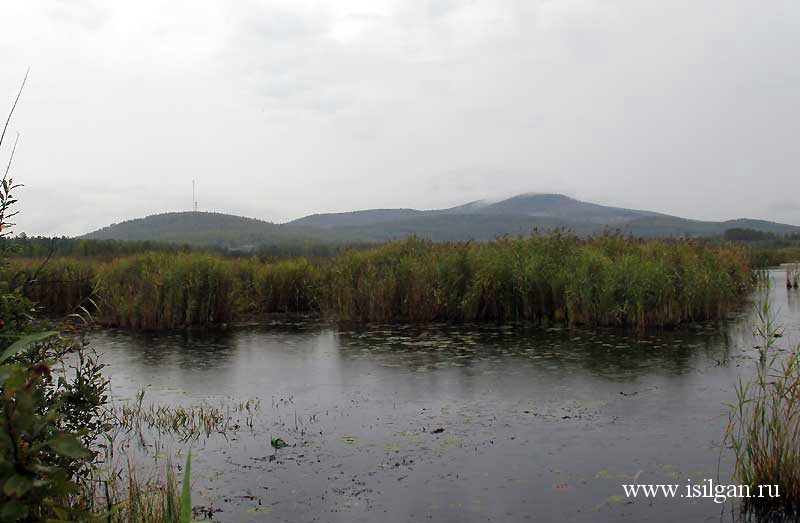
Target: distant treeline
{"x": 39, "y": 247}
{"x": 738, "y": 234}
{"x": 606, "y": 280}
{"x": 767, "y": 249}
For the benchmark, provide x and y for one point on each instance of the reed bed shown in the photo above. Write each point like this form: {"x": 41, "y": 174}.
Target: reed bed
{"x": 606, "y": 280}
{"x": 764, "y": 425}
{"x": 57, "y": 285}
{"x": 166, "y": 291}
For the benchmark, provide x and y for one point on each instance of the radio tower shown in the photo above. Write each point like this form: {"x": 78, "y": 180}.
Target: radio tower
{"x": 194, "y": 196}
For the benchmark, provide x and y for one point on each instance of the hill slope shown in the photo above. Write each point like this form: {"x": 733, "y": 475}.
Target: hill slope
{"x": 204, "y": 228}
{"x": 479, "y": 220}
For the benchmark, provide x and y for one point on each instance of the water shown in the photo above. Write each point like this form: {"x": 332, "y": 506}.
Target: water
{"x": 538, "y": 425}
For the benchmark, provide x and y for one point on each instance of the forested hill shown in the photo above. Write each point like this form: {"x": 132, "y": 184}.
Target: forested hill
{"x": 478, "y": 220}
{"x": 203, "y": 228}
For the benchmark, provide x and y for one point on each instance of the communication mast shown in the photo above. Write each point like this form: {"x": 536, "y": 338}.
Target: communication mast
{"x": 194, "y": 196}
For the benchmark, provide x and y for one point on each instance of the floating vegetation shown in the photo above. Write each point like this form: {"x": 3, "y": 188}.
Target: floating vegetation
{"x": 278, "y": 443}
{"x": 185, "y": 422}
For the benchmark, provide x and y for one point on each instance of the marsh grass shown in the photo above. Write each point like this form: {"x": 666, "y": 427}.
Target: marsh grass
{"x": 792, "y": 275}
{"x": 138, "y": 494}
{"x": 606, "y": 280}
{"x": 59, "y": 286}
{"x": 185, "y": 422}
{"x": 165, "y": 291}
{"x": 764, "y": 424}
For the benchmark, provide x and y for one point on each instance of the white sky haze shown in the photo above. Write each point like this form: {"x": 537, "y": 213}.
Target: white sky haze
{"x": 285, "y": 108}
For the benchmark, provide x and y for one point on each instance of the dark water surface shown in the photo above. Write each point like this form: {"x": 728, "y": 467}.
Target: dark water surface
{"x": 539, "y": 425}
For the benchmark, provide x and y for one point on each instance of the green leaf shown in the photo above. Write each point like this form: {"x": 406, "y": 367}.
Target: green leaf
{"x": 13, "y": 510}
{"x": 5, "y": 372}
{"x": 16, "y": 486}
{"x": 24, "y": 342}
{"x": 186, "y": 494}
{"x": 13, "y": 380}
{"x": 69, "y": 446}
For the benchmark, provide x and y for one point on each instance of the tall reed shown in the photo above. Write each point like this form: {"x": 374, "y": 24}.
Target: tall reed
{"x": 134, "y": 495}
{"x": 59, "y": 286}
{"x": 764, "y": 424}
{"x": 165, "y": 291}
{"x": 607, "y": 280}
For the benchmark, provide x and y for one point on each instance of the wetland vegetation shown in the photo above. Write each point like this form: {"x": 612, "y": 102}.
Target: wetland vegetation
{"x": 555, "y": 278}
{"x": 764, "y": 423}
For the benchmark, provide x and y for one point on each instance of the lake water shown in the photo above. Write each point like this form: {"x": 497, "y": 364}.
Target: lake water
{"x": 538, "y": 424}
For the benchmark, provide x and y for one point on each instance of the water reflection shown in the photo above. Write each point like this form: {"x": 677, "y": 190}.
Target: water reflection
{"x": 524, "y": 409}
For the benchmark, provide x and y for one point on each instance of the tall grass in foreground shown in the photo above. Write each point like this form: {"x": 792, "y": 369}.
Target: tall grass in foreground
{"x": 155, "y": 499}
{"x": 764, "y": 424}
{"x": 606, "y": 280}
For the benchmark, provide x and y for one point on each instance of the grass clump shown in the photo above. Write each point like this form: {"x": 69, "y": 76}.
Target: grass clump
{"x": 764, "y": 424}
{"x": 186, "y": 422}
{"x": 130, "y": 497}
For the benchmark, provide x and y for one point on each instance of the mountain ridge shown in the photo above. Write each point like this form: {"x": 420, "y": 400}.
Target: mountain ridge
{"x": 476, "y": 220}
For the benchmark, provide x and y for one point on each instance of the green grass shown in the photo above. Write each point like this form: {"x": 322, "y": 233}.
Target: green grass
{"x": 764, "y": 424}
{"x": 165, "y": 291}
{"x": 606, "y": 280}
{"x": 185, "y": 422}
{"x": 135, "y": 496}
{"x": 59, "y": 285}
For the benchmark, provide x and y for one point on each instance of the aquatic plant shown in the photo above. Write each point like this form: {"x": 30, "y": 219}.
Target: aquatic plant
{"x": 186, "y": 422}
{"x": 792, "y": 275}
{"x": 134, "y": 496}
{"x": 56, "y": 285}
{"x": 605, "y": 280}
{"x": 278, "y": 443}
{"x": 186, "y": 491}
{"x": 764, "y": 423}
{"x": 163, "y": 291}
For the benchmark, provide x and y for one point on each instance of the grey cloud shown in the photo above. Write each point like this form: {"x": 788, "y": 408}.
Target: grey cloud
{"x": 683, "y": 107}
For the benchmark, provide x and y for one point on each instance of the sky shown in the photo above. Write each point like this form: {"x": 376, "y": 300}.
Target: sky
{"x": 280, "y": 109}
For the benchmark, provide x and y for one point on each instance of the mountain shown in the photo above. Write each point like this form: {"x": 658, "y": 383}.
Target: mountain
{"x": 356, "y": 218}
{"x": 204, "y": 228}
{"x": 375, "y": 216}
{"x": 478, "y": 220}
{"x": 563, "y": 208}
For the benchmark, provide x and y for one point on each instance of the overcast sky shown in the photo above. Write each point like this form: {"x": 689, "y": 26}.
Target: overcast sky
{"x": 284, "y": 108}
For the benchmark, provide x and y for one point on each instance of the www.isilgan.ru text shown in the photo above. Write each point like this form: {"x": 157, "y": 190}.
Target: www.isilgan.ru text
{"x": 704, "y": 489}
